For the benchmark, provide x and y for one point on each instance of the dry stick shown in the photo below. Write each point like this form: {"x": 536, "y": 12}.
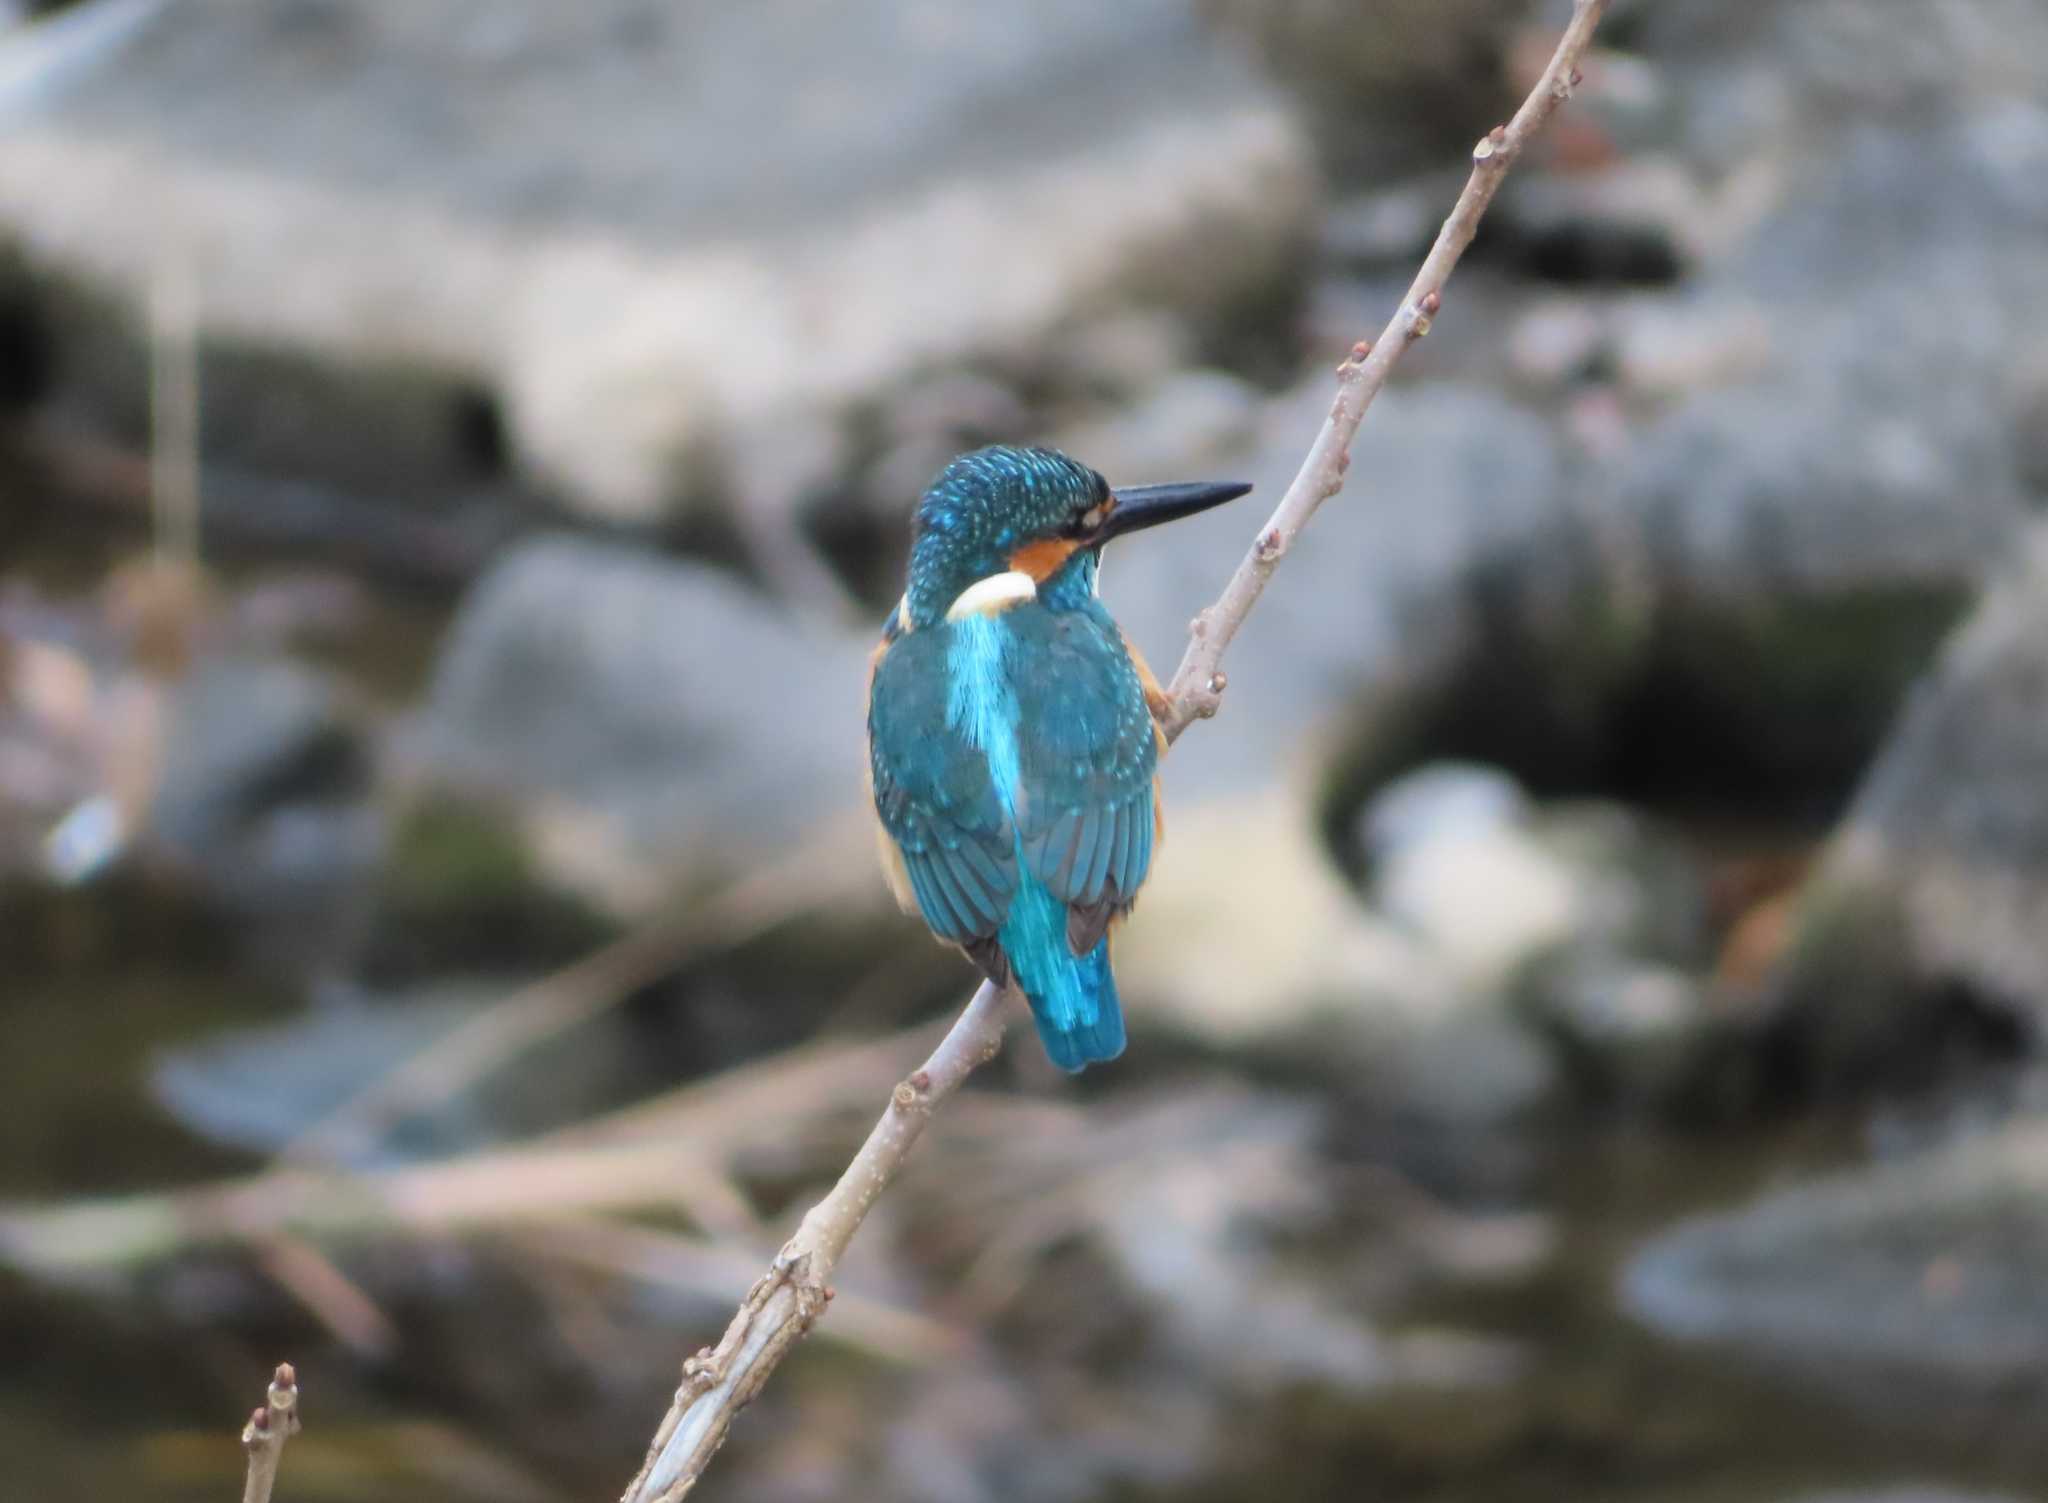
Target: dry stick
{"x": 275, "y": 1421}
{"x": 552, "y": 1005}
{"x": 719, "y": 1381}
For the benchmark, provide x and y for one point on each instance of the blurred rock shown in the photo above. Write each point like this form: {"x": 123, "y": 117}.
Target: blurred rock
{"x": 1190, "y": 1255}
{"x": 263, "y": 1089}
{"x": 656, "y": 721}
{"x": 1389, "y": 83}
{"x": 1187, "y": 424}
{"x": 1281, "y": 961}
{"x": 1789, "y": 476}
{"x": 1462, "y": 859}
{"x": 1581, "y": 915}
{"x": 1667, "y": 348}
{"x": 472, "y": 229}
{"x": 1282, "y": 946}
{"x": 1638, "y": 222}
{"x": 1453, "y": 534}
{"x": 1897, "y": 1286}
{"x": 243, "y": 735}
{"x": 1633, "y": 1034}
{"x": 1390, "y": 228}
{"x": 1937, "y": 880}
{"x": 1836, "y": 61}
{"x": 145, "y": 728}
{"x": 2030, "y": 425}
{"x": 1453, "y": 863}
{"x": 1905, "y": 1492}
{"x": 262, "y": 792}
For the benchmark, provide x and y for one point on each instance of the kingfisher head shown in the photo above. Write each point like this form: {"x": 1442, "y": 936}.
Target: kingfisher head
{"x": 1003, "y": 523}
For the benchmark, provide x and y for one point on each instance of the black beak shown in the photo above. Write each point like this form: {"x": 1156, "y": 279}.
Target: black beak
{"x": 1141, "y": 506}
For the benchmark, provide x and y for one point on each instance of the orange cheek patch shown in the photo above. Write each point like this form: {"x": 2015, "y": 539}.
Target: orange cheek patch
{"x": 1043, "y": 559}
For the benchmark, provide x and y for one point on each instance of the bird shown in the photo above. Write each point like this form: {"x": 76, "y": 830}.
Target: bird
{"x": 1014, "y": 734}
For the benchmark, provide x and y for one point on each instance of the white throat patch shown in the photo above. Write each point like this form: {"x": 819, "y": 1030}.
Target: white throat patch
{"x": 997, "y": 593}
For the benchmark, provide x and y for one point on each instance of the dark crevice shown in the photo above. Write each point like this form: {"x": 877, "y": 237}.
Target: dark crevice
{"x": 864, "y": 549}
{"x": 28, "y": 348}
{"x": 1931, "y": 1038}
{"x": 1581, "y": 252}
{"x": 477, "y": 430}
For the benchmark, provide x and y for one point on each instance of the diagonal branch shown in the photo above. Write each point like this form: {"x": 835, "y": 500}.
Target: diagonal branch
{"x": 719, "y": 1381}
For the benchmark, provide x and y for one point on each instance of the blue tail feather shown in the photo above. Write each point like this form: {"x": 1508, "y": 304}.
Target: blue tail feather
{"x": 1073, "y": 997}
{"x": 1087, "y": 1035}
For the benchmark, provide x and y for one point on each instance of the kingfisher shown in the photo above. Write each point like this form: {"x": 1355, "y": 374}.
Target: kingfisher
{"x": 1014, "y": 734}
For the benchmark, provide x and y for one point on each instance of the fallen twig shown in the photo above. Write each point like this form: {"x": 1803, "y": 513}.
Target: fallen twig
{"x": 720, "y": 1380}
{"x": 668, "y": 1152}
{"x": 552, "y": 1005}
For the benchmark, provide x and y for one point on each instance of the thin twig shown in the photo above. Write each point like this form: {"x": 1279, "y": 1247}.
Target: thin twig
{"x": 719, "y": 1381}
{"x": 1198, "y": 683}
{"x": 275, "y": 1421}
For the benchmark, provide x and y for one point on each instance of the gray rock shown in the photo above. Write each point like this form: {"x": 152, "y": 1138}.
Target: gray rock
{"x": 1836, "y": 60}
{"x": 265, "y": 1088}
{"x": 1456, "y": 863}
{"x": 653, "y": 717}
{"x": 1582, "y": 916}
{"x": 1440, "y": 801}
{"x": 1186, "y": 425}
{"x": 1804, "y": 527}
{"x": 1454, "y": 530}
{"x": 1879, "y": 1281}
{"x": 1282, "y": 962}
{"x": 263, "y": 794}
{"x": 245, "y": 734}
{"x": 657, "y": 241}
{"x": 1389, "y": 83}
{"x": 1938, "y": 876}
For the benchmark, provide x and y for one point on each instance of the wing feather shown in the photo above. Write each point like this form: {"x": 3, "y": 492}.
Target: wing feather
{"x": 934, "y": 796}
{"x": 1088, "y": 754}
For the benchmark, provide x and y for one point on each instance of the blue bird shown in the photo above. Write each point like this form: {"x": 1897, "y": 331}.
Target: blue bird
{"x": 1013, "y": 738}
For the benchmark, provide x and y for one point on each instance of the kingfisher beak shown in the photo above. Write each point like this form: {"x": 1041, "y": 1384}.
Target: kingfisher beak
{"x": 1141, "y": 506}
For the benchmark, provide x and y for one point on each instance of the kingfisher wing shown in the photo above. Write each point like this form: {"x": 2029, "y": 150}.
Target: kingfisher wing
{"x": 1087, "y": 753}
{"x": 935, "y": 798}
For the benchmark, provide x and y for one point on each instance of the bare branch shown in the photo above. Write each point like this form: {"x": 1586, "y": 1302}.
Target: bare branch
{"x": 721, "y": 1380}
{"x": 275, "y": 1421}
{"x": 1198, "y": 683}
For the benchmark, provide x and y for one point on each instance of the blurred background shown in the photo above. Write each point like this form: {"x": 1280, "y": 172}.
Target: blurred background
{"x": 454, "y": 457}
